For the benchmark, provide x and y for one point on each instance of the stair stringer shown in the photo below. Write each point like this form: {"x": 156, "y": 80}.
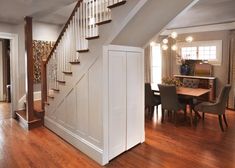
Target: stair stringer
{"x": 58, "y": 113}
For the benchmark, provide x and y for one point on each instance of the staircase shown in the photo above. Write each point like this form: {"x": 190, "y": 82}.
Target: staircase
{"x": 73, "y": 42}
{"x": 73, "y": 74}
{"x": 81, "y": 27}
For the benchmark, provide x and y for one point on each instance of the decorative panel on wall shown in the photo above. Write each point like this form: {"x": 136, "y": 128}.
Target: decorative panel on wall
{"x": 41, "y": 50}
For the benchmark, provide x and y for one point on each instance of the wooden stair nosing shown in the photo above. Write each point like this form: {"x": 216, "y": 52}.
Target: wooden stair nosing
{"x": 67, "y": 72}
{"x": 116, "y": 4}
{"x": 56, "y": 90}
{"x": 92, "y": 37}
{"x": 83, "y": 50}
{"x": 50, "y": 96}
{"x": 47, "y": 103}
{"x": 74, "y": 62}
{"x": 21, "y": 117}
{"x": 103, "y": 22}
{"x": 60, "y": 81}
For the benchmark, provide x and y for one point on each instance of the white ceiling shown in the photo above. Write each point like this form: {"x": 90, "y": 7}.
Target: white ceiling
{"x": 206, "y": 12}
{"x": 51, "y": 11}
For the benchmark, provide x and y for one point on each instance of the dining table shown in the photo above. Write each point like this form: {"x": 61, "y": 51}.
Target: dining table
{"x": 188, "y": 92}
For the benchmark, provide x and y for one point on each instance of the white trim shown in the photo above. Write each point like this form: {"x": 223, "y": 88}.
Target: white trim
{"x": 86, "y": 147}
{"x": 206, "y": 28}
{"x": 105, "y": 106}
{"x": 217, "y": 43}
{"x": 1, "y": 72}
{"x": 14, "y": 70}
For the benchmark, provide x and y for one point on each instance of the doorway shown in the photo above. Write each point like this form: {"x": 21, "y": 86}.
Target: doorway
{"x": 5, "y": 79}
{"x": 14, "y": 70}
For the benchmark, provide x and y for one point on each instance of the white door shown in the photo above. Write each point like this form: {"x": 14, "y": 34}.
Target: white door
{"x": 134, "y": 90}
{"x": 117, "y": 103}
{"x": 1, "y": 73}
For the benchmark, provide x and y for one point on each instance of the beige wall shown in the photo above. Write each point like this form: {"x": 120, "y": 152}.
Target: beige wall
{"x": 44, "y": 32}
{"x": 41, "y": 32}
{"x": 7, "y": 28}
{"x": 221, "y": 72}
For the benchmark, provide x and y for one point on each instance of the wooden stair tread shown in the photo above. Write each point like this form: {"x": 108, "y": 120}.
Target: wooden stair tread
{"x": 68, "y": 72}
{"x": 116, "y": 4}
{"x": 22, "y": 119}
{"x": 92, "y": 37}
{"x": 56, "y": 90}
{"x": 74, "y": 62}
{"x": 47, "y": 103}
{"x": 51, "y": 96}
{"x": 83, "y": 50}
{"x": 60, "y": 81}
{"x": 22, "y": 115}
{"x": 103, "y": 22}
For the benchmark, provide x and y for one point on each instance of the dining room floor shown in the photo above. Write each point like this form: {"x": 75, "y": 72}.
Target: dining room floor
{"x": 176, "y": 146}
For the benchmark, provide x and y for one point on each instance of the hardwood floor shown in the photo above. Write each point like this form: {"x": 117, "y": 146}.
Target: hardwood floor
{"x": 38, "y": 148}
{"x": 5, "y": 112}
{"x": 167, "y": 145}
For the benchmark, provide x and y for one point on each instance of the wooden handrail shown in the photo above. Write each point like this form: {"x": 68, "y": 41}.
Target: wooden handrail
{"x": 63, "y": 30}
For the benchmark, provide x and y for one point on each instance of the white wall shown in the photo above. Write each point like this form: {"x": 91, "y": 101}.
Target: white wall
{"x": 7, "y": 28}
{"x": 45, "y": 32}
{"x": 41, "y": 31}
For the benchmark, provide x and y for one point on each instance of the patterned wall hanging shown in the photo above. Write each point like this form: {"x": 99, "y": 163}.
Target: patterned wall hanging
{"x": 41, "y": 50}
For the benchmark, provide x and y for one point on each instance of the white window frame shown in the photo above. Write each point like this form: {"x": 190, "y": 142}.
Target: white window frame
{"x": 217, "y": 43}
{"x": 152, "y": 66}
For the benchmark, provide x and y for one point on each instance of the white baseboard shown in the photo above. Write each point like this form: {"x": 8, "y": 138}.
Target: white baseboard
{"x": 37, "y": 96}
{"x": 80, "y": 143}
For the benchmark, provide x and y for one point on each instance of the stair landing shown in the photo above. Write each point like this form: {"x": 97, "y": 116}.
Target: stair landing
{"x": 38, "y": 119}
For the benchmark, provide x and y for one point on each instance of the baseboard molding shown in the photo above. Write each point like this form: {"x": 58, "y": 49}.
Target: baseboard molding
{"x": 80, "y": 143}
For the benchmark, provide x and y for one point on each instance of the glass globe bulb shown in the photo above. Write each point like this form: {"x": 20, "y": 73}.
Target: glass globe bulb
{"x": 174, "y": 35}
{"x": 164, "y": 47}
{"x": 189, "y": 39}
{"x": 174, "y": 47}
{"x": 153, "y": 43}
{"x": 165, "y": 41}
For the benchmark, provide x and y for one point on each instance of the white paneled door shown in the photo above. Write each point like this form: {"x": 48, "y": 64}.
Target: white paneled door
{"x": 117, "y": 103}
{"x": 134, "y": 110}
{"x": 1, "y": 73}
{"x": 125, "y": 99}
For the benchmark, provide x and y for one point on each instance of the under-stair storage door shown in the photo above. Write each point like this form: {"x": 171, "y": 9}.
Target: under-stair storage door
{"x": 134, "y": 97}
{"x": 117, "y": 102}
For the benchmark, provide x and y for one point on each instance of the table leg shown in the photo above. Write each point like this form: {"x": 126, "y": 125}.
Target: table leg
{"x": 191, "y": 116}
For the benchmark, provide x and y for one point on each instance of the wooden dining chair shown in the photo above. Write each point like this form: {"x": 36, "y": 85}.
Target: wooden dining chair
{"x": 151, "y": 100}
{"x": 217, "y": 108}
{"x": 169, "y": 100}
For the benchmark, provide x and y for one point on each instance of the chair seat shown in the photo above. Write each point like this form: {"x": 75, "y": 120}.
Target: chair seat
{"x": 207, "y": 107}
{"x": 157, "y": 99}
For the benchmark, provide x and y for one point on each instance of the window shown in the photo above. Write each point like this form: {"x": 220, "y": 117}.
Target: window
{"x": 156, "y": 64}
{"x": 202, "y": 50}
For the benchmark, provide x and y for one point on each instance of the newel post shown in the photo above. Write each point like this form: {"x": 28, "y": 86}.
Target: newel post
{"x": 29, "y": 68}
{"x": 43, "y": 83}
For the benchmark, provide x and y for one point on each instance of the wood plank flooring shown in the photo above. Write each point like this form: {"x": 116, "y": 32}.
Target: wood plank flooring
{"x": 167, "y": 146}
{"x": 5, "y": 110}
